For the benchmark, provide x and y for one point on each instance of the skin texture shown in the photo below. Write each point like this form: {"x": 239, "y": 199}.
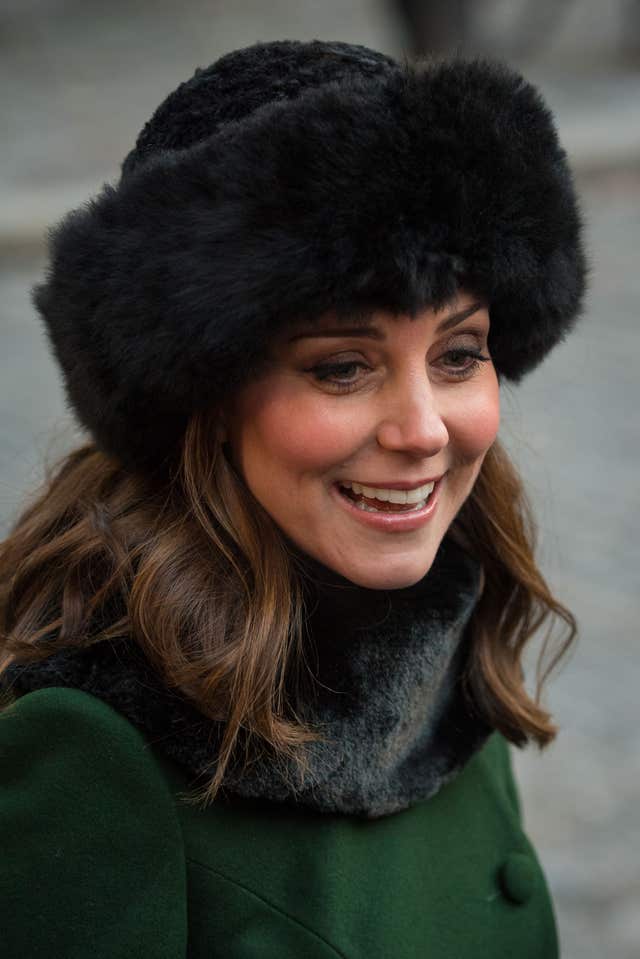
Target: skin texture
{"x": 401, "y": 414}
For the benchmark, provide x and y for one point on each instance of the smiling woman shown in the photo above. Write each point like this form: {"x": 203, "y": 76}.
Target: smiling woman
{"x": 262, "y": 636}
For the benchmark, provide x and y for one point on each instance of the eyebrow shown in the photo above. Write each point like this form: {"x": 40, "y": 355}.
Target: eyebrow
{"x": 361, "y": 328}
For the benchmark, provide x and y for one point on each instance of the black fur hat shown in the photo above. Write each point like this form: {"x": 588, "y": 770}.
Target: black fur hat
{"x": 289, "y": 179}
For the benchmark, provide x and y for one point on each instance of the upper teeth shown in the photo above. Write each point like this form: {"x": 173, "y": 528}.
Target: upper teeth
{"x": 392, "y": 495}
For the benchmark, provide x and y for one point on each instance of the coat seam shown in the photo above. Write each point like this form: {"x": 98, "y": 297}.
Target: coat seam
{"x": 271, "y": 905}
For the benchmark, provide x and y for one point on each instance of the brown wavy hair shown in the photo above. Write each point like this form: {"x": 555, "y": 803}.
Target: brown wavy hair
{"x": 196, "y": 572}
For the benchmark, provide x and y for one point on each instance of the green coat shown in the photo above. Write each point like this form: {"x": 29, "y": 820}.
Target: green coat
{"x": 100, "y": 858}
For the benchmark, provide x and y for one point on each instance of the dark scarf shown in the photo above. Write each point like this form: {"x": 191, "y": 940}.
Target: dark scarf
{"x": 388, "y": 696}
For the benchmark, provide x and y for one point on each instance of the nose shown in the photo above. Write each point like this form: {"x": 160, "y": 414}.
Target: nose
{"x": 412, "y": 421}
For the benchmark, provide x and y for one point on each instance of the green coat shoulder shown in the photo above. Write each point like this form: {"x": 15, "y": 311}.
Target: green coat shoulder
{"x": 104, "y": 858}
{"x": 92, "y": 853}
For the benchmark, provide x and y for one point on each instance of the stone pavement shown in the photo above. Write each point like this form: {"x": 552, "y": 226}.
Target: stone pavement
{"x": 79, "y": 80}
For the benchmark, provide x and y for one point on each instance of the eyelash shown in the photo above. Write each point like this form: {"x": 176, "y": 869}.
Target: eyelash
{"x": 323, "y": 371}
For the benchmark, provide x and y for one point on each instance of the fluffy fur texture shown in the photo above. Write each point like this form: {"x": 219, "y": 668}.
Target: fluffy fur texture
{"x": 290, "y": 179}
{"x": 387, "y": 694}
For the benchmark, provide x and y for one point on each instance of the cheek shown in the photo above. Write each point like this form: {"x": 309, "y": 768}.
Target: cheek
{"x": 297, "y": 432}
{"x": 473, "y": 427}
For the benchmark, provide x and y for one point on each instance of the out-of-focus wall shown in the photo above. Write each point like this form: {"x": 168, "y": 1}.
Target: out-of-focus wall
{"x": 79, "y": 79}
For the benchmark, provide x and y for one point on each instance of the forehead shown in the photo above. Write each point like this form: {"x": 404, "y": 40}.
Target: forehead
{"x": 373, "y": 320}
{"x": 358, "y": 317}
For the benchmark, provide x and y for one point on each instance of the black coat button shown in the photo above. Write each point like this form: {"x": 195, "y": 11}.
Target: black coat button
{"x": 518, "y": 877}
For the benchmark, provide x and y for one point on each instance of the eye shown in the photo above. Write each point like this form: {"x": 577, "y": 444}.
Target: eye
{"x": 462, "y": 363}
{"x": 468, "y": 369}
{"x": 338, "y": 374}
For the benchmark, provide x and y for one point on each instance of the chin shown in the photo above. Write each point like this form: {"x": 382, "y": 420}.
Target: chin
{"x": 384, "y": 577}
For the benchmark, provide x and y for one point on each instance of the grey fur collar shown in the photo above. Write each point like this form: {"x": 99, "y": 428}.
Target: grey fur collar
{"x": 388, "y": 696}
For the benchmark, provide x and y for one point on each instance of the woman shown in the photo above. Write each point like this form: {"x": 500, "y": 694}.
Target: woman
{"x": 263, "y": 634}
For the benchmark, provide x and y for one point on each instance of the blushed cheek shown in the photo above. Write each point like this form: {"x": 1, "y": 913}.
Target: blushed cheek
{"x": 297, "y": 434}
{"x": 476, "y": 425}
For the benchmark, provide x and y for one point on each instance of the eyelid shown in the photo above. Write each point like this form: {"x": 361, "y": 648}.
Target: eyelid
{"x": 339, "y": 356}
{"x": 477, "y": 331}
{"x": 329, "y": 352}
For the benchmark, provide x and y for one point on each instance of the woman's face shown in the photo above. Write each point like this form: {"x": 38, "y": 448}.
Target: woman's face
{"x": 389, "y": 405}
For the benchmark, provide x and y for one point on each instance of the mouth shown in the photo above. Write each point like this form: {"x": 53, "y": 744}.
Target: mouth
{"x": 388, "y": 499}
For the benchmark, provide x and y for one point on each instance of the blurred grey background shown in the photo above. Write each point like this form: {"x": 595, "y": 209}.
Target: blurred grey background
{"x": 79, "y": 79}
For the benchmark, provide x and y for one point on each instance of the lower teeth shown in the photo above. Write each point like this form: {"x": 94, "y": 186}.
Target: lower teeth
{"x": 372, "y": 509}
